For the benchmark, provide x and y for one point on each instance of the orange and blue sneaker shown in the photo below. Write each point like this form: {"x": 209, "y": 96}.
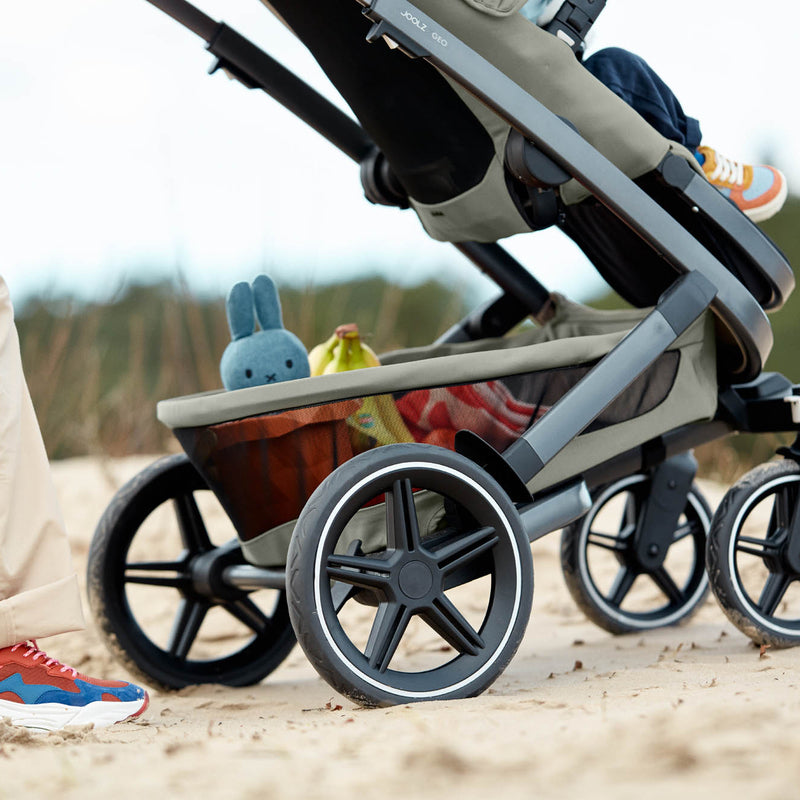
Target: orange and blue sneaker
{"x": 758, "y": 191}
{"x": 36, "y": 691}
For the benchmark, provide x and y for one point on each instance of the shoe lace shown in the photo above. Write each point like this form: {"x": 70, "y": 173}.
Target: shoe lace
{"x": 32, "y": 651}
{"x": 728, "y": 171}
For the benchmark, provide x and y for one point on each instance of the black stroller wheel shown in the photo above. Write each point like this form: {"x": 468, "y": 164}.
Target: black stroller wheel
{"x": 400, "y": 595}
{"x": 202, "y": 631}
{"x": 754, "y": 554}
{"x": 603, "y": 576}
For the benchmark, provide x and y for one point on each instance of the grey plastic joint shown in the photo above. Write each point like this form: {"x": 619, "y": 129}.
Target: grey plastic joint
{"x": 555, "y": 510}
{"x": 686, "y": 300}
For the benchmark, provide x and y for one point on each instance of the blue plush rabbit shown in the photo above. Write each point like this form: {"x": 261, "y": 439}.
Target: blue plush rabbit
{"x": 256, "y": 357}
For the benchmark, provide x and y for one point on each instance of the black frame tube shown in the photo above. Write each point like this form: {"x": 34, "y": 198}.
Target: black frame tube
{"x": 251, "y": 62}
{"x": 189, "y": 16}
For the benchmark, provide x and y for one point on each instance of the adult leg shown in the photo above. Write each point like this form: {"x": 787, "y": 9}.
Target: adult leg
{"x": 38, "y": 587}
{"x": 631, "y": 78}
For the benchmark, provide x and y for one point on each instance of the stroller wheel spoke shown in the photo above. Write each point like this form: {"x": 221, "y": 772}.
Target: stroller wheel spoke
{"x": 191, "y": 614}
{"x": 388, "y": 628}
{"x": 402, "y": 525}
{"x": 781, "y": 512}
{"x": 664, "y": 581}
{"x": 193, "y": 530}
{"x": 465, "y": 549}
{"x": 451, "y": 625}
{"x": 360, "y": 571}
{"x": 606, "y": 541}
{"x": 157, "y": 566}
{"x": 774, "y": 589}
{"x": 751, "y": 551}
{"x": 179, "y": 582}
{"x": 766, "y": 544}
{"x": 249, "y": 614}
{"x": 341, "y": 593}
{"x": 621, "y": 586}
{"x": 629, "y": 515}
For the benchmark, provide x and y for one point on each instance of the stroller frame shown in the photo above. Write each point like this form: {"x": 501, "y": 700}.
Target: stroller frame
{"x": 755, "y": 402}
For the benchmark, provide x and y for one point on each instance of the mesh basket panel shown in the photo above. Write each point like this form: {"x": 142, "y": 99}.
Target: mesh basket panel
{"x": 264, "y": 468}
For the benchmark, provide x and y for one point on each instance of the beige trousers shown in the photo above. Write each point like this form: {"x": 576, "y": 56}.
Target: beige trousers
{"x": 38, "y": 587}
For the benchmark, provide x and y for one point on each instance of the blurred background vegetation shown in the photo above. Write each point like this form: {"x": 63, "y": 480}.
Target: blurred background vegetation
{"x": 96, "y": 371}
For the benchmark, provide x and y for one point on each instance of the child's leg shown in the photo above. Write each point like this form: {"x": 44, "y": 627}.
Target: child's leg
{"x": 38, "y": 587}
{"x": 631, "y": 78}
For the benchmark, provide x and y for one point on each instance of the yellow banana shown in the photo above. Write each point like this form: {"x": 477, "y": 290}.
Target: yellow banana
{"x": 344, "y": 351}
{"x": 341, "y": 358}
{"x": 321, "y": 355}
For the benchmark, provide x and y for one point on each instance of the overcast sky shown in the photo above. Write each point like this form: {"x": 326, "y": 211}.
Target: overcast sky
{"x": 120, "y": 157}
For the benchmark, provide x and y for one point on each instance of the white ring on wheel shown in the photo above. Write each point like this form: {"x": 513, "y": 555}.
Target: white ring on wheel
{"x": 583, "y": 566}
{"x": 732, "y": 550}
{"x": 318, "y": 570}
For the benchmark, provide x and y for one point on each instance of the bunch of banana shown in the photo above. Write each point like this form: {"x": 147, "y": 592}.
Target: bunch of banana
{"x": 377, "y": 421}
{"x": 342, "y": 352}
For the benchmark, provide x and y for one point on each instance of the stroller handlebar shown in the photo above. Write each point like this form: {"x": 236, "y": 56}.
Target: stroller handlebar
{"x": 189, "y": 16}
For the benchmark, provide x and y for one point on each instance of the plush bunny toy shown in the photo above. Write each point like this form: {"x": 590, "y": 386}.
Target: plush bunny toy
{"x": 256, "y": 357}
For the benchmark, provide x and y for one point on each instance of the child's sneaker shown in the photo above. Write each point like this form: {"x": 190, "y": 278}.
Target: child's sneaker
{"x": 36, "y": 691}
{"x": 759, "y": 191}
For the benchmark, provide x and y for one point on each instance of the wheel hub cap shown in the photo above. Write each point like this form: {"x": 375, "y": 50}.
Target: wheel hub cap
{"x": 415, "y": 580}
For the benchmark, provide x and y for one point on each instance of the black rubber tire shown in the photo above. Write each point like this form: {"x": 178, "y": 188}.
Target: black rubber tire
{"x": 318, "y": 529}
{"x": 723, "y": 569}
{"x": 591, "y": 600}
{"x": 166, "y": 479}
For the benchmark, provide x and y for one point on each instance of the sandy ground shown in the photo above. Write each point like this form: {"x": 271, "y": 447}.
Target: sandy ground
{"x": 692, "y": 711}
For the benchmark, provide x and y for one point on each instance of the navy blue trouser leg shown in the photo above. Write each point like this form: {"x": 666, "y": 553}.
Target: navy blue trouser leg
{"x": 631, "y": 78}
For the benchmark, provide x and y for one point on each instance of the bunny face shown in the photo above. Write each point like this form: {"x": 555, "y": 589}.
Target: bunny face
{"x": 256, "y": 358}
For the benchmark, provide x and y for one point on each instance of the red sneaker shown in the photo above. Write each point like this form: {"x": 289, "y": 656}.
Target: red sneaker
{"x": 36, "y": 691}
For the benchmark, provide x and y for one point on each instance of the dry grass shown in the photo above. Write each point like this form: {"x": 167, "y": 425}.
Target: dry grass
{"x": 96, "y": 372}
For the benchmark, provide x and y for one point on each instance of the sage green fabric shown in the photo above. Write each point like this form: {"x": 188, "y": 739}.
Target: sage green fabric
{"x": 547, "y": 69}
{"x": 497, "y": 8}
{"x": 484, "y": 213}
{"x": 693, "y": 398}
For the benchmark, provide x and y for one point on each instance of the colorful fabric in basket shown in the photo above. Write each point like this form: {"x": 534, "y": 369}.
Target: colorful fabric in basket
{"x": 489, "y": 409}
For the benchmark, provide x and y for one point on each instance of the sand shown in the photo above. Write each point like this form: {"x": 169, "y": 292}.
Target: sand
{"x": 690, "y": 711}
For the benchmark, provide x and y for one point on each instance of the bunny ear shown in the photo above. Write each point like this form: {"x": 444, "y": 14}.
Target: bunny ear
{"x": 268, "y": 306}
{"x": 240, "y": 311}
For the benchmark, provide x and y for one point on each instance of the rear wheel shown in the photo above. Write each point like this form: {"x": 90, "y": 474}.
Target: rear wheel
{"x": 409, "y": 577}
{"x": 156, "y": 589}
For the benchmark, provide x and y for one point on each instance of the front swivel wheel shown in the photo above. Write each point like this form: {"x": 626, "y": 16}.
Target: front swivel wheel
{"x": 605, "y": 573}
{"x": 753, "y": 554}
{"x": 409, "y": 577}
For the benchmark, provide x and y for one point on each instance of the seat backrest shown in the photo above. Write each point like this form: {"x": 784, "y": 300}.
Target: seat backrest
{"x": 435, "y": 144}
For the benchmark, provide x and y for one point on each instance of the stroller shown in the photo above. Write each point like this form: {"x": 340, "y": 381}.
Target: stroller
{"x": 377, "y": 507}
